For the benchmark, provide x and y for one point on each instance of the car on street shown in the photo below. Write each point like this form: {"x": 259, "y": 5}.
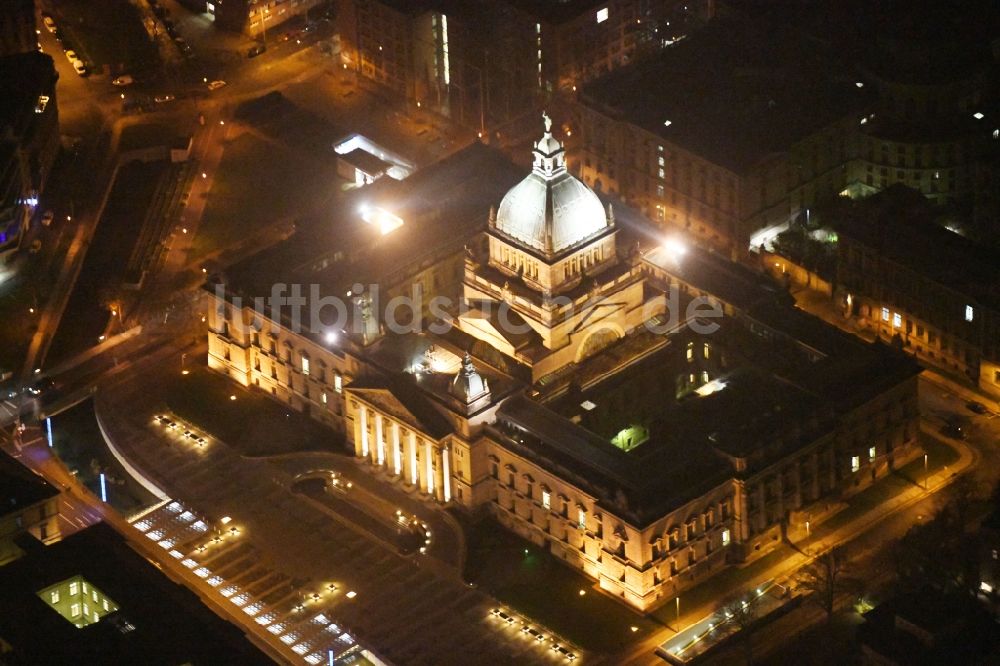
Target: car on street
{"x": 953, "y": 430}
{"x": 123, "y": 80}
{"x": 47, "y": 218}
{"x": 41, "y": 386}
{"x": 49, "y": 23}
{"x": 163, "y": 99}
{"x": 79, "y": 67}
{"x": 215, "y": 85}
{"x": 71, "y": 55}
{"x": 976, "y": 407}
{"x": 256, "y": 50}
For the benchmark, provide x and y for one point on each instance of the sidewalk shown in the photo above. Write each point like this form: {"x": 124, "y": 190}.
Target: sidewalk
{"x": 782, "y": 563}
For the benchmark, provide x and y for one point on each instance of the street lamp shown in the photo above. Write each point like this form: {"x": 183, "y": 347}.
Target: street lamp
{"x": 925, "y": 471}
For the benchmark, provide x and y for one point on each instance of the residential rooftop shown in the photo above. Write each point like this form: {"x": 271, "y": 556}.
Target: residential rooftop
{"x": 157, "y": 621}
{"x": 20, "y": 487}
{"x": 734, "y": 92}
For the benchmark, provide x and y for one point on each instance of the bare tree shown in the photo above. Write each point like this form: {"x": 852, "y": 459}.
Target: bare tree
{"x": 824, "y": 579}
{"x": 741, "y": 612}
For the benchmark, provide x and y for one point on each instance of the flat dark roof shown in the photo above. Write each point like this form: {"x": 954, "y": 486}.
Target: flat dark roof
{"x": 20, "y": 487}
{"x": 442, "y": 206}
{"x": 899, "y": 224}
{"x": 169, "y": 624}
{"x": 734, "y": 91}
{"x": 365, "y": 161}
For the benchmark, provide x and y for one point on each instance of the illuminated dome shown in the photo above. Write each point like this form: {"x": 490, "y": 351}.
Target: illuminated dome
{"x": 550, "y": 210}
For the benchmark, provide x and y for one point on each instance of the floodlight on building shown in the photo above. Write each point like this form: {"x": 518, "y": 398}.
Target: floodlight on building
{"x": 859, "y": 84}
{"x": 225, "y": 520}
{"x": 351, "y": 594}
{"x": 668, "y": 123}
{"x": 381, "y": 218}
{"x": 330, "y": 338}
{"x": 978, "y": 115}
{"x": 674, "y": 248}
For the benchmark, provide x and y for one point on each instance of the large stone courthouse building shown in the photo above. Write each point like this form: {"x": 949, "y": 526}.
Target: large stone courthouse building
{"x": 650, "y": 413}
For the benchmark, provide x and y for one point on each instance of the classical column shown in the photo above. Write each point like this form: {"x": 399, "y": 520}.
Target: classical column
{"x": 397, "y": 462}
{"x": 429, "y": 450}
{"x": 446, "y": 473}
{"x": 379, "y": 441}
{"x": 414, "y": 472}
{"x": 363, "y": 409}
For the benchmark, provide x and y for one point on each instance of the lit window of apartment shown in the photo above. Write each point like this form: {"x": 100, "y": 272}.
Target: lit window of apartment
{"x": 602, "y": 14}
{"x": 706, "y": 350}
{"x": 74, "y": 589}
{"x": 897, "y": 320}
{"x": 871, "y": 454}
{"x": 74, "y": 610}
{"x": 546, "y": 498}
{"x": 970, "y": 313}
{"x": 725, "y": 537}
{"x": 54, "y": 595}
{"x": 305, "y": 365}
{"x": 855, "y": 463}
{"x": 323, "y": 398}
{"x": 581, "y": 519}
{"x": 690, "y": 351}
{"x": 338, "y": 383}
{"x": 885, "y": 314}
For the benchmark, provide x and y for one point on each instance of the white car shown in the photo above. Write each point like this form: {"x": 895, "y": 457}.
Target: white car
{"x": 79, "y": 67}
{"x": 215, "y": 85}
{"x": 49, "y": 24}
{"x": 123, "y": 80}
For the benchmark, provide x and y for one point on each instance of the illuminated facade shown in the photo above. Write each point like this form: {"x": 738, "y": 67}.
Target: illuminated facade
{"x": 610, "y": 427}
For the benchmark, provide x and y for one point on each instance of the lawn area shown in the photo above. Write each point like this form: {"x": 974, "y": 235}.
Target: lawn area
{"x": 254, "y": 424}
{"x": 260, "y": 183}
{"x": 106, "y": 32}
{"x": 908, "y": 476}
{"x": 540, "y": 587}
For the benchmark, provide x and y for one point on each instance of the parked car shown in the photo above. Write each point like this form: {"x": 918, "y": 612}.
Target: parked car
{"x": 163, "y": 99}
{"x": 49, "y": 23}
{"x": 123, "y": 80}
{"x": 215, "y": 85}
{"x": 71, "y": 55}
{"x": 47, "y": 218}
{"x": 976, "y": 406}
{"x": 79, "y": 67}
{"x": 256, "y": 50}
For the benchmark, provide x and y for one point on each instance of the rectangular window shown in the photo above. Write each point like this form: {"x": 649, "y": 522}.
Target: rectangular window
{"x": 855, "y": 463}
{"x": 546, "y": 499}
{"x": 305, "y": 365}
{"x": 323, "y": 398}
{"x": 897, "y": 320}
{"x": 74, "y": 589}
{"x": 970, "y": 313}
{"x": 871, "y": 454}
{"x": 725, "y": 537}
{"x": 54, "y": 595}
{"x": 885, "y": 314}
{"x": 338, "y": 383}
{"x": 581, "y": 519}
{"x": 602, "y": 15}
{"x": 74, "y": 610}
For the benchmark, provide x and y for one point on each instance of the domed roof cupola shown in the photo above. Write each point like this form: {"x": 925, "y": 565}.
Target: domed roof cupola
{"x": 469, "y": 387}
{"x": 550, "y": 210}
